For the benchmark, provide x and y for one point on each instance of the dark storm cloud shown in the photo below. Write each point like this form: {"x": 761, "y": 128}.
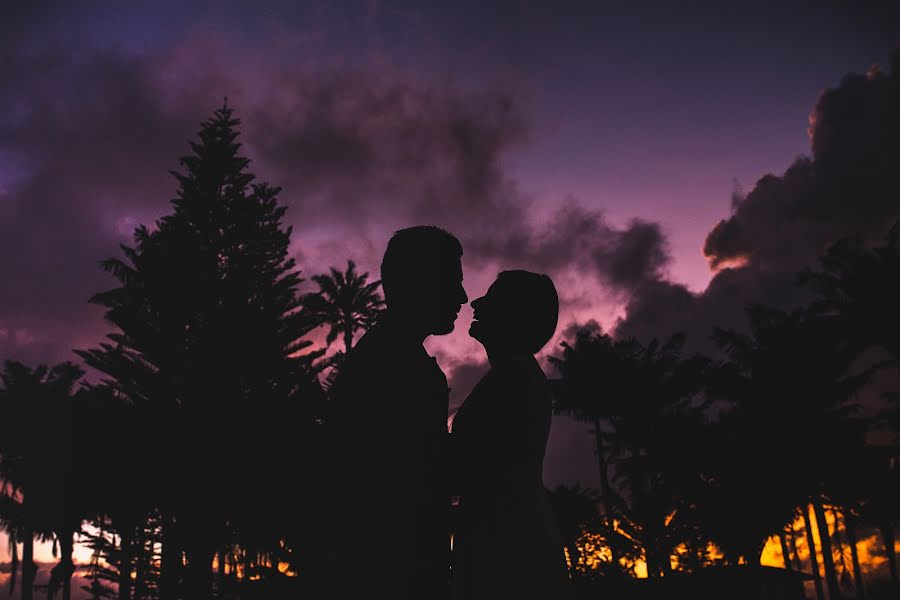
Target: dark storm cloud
{"x": 87, "y": 139}
{"x": 660, "y": 308}
{"x": 85, "y": 143}
{"x": 580, "y": 238}
{"x": 849, "y": 185}
{"x": 634, "y": 255}
{"x": 353, "y": 147}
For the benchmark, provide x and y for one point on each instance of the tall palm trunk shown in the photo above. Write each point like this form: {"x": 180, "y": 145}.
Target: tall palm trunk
{"x": 348, "y": 339}
{"x": 792, "y": 541}
{"x": 839, "y": 543}
{"x": 29, "y": 569}
{"x": 785, "y": 552}
{"x": 13, "y": 562}
{"x": 658, "y": 562}
{"x": 126, "y": 551}
{"x": 170, "y": 561}
{"x": 850, "y": 525}
{"x": 233, "y": 572}
{"x": 652, "y": 564}
{"x": 886, "y": 527}
{"x": 665, "y": 561}
{"x": 66, "y": 565}
{"x": 140, "y": 562}
{"x": 834, "y": 591}
{"x": 198, "y": 574}
{"x": 220, "y": 573}
{"x": 605, "y": 490}
{"x": 813, "y": 559}
{"x": 574, "y": 556}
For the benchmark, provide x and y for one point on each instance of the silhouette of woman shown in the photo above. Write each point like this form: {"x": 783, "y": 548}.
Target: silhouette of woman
{"x": 506, "y": 545}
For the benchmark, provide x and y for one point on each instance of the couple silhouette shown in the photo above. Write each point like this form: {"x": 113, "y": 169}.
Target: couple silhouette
{"x": 394, "y": 467}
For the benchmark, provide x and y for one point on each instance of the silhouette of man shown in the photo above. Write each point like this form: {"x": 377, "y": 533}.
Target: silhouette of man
{"x": 388, "y": 498}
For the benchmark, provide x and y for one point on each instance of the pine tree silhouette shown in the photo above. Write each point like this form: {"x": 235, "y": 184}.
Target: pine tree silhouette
{"x": 209, "y": 329}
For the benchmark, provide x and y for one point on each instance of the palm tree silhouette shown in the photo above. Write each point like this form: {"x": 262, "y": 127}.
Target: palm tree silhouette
{"x": 119, "y": 436}
{"x": 859, "y": 287}
{"x": 11, "y": 523}
{"x": 791, "y": 385}
{"x": 595, "y": 375}
{"x": 640, "y": 400}
{"x": 575, "y": 509}
{"x": 657, "y": 441}
{"x": 33, "y": 462}
{"x": 346, "y": 302}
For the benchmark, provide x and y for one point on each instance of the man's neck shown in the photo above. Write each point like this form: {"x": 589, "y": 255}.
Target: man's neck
{"x": 404, "y": 329}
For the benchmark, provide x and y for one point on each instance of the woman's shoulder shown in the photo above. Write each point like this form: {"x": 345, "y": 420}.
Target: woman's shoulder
{"x": 520, "y": 368}
{"x": 521, "y": 377}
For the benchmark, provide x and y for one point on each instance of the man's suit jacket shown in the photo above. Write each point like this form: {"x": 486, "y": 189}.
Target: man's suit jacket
{"x": 387, "y": 487}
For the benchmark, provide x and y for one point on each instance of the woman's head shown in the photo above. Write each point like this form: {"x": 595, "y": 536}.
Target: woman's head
{"x": 518, "y": 314}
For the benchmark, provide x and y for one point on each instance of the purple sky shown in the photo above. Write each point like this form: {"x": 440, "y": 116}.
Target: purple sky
{"x": 600, "y": 142}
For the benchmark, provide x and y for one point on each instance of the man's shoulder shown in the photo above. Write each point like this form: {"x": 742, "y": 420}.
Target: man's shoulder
{"x": 378, "y": 369}
{"x": 381, "y": 356}
{"x": 382, "y": 345}
{"x": 376, "y": 350}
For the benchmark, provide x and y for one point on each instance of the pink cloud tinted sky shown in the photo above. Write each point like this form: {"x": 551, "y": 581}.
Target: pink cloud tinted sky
{"x": 599, "y": 143}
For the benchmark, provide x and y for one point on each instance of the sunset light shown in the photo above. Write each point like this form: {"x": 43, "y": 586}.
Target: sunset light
{"x": 496, "y": 300}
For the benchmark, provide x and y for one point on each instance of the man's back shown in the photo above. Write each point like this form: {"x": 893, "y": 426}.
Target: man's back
{"x": 387, "y": 491}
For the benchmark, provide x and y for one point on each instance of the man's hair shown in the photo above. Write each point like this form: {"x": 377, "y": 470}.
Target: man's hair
{"x": 414, "y": 253}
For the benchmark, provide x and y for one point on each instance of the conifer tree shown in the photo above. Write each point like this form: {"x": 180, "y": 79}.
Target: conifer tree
{"x": 208, "y": 329}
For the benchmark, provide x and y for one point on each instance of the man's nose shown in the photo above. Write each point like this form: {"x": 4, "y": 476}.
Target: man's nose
{"x": 463, "y": 298}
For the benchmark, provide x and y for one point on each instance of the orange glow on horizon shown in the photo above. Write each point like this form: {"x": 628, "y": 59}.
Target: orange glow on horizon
{"x": 594, "y": 553}
{"x": 869, "y": 547}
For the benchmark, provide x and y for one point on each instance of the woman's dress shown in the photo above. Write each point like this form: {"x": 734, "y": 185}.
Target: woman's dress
{"x": 506, "y": 544}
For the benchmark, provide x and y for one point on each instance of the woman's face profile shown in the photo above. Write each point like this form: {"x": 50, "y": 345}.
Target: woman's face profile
{"x": 494, "y": 318}
{"x": 517, "y": 314}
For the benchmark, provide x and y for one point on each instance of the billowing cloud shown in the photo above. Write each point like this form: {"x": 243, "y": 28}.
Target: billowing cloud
{"x": 86, "y": 144}
{"x": 88, "y": 138}
{"x": 849, "y": 185}
{"x": 580, "y": 238}
{"x": 353, "y": 146}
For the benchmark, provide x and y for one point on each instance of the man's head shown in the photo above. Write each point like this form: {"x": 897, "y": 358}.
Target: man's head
{"x": 421, "y": 275}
